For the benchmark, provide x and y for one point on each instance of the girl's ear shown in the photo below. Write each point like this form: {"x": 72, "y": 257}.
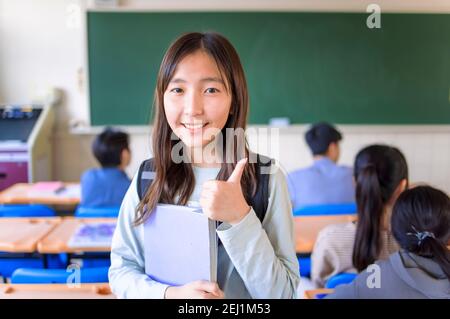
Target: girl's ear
{"x": 403, "y": 185}
{"x": 400, "y": 188}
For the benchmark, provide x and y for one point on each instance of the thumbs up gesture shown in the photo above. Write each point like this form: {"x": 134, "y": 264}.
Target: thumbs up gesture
{"x": 224, "y": 201}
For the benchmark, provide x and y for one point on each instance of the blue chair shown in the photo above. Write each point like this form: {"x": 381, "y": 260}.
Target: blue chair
{"x": 32, "y": 210}
{"x": 9, "y": 262}
{"x": 92, "y": 259}
{"x": 59, "y": 276}
{"x": 305, "y": 266}
{"x": 93, "y": 212}
{"x": 340, "y": 279}
{"x": 329, "y": 209}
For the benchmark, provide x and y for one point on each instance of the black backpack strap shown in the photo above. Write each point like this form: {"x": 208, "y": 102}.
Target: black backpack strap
{"x": 260, "y": 201}
{"x": 146, "y": 175}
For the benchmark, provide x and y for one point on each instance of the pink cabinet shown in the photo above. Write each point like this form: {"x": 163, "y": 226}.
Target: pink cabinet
{"x": 12, "y": 173}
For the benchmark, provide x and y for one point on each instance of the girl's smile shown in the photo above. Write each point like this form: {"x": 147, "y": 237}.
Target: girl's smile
{"x": 194, "y": 127}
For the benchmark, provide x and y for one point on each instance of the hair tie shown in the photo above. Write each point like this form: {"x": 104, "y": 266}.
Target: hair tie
{"x": 421, "y": 236}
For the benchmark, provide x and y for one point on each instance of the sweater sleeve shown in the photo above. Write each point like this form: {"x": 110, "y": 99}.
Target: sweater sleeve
{"x": 321, "y": 263}
{"x": 332, "y": 252}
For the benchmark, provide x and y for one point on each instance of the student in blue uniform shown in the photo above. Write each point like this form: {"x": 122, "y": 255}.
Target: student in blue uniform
{"x": 324, "y": 182}
{"x": 106, "y": 186}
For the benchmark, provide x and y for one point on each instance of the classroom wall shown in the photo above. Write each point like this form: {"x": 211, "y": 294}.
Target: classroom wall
{"x": 43, "y": 46}
{"x": 40, "y": 49}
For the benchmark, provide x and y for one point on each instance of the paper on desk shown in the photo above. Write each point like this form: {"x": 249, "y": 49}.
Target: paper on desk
{"x": 70, "y": 191}
{"x": 93, "y": 235}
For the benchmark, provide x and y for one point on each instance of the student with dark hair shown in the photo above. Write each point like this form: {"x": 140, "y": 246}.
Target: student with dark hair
{"x": 201, "y": 92}
{"x": 421, "y": 269}
{"x": 324, "y": 182}
{"x": 381, "y": 174}
{"x": 106, "y": 186}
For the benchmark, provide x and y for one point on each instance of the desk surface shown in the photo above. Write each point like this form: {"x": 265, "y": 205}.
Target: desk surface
{"x": 57, "y": 240}
{"x": 55, "y": 291}
{"x": 23, "y": 234}
{"x": 311, "y": 294}
{"x": 22, "y": 193}
{"x": 308, "y": 227}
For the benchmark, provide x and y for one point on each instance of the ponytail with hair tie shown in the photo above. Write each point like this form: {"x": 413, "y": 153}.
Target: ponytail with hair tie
{"x": 427, "y": 208}
{"x": 421, "y": 236}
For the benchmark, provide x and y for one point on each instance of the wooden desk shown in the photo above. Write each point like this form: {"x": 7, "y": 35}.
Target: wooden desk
{"x": 22, "y": 234}
{"x": 55, "y": 291}
{"x": 56, "y": 241}
{"x": 308, "y": 227}
{"x": 22, "y": 193}
{"x": 311, "y": 294}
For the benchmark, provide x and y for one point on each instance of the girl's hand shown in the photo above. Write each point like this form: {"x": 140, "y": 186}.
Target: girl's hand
{"x": 224, "y": 201}
{"x": 195, "y": 290}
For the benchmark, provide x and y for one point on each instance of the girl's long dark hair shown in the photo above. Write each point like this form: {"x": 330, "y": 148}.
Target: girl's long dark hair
{"x": 423, "y": 209}
{"x": 177, "y": 179}
{"x": 378, "y": 170}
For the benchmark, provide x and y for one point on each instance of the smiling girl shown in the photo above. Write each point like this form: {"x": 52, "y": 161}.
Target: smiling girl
{"x": 201, "y": 93}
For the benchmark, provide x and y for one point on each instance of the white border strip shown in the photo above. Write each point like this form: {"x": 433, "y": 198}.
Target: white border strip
{"x": 399, "y": 6}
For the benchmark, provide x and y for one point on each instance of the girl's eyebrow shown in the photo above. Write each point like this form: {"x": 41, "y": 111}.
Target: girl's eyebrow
{"x": 212, "y": 79}
{"x": 177, "y": 80}
{"x": 208, "y": 79}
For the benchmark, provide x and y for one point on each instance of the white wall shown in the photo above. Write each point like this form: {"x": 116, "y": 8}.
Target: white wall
{"x": 39, "y": 51}
{"x": 43, "y": 46}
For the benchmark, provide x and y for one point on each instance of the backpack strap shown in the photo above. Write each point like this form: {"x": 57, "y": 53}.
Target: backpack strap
{"x": 259, "y": 202}
{"x": 145, "y": 177}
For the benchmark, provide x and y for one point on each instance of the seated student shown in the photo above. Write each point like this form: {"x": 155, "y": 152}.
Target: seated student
{"x": 106, "y": 186}
{"x": 421, "y": 269}
{"x": 324, "y": 182}
{"x": 381, "y": 174}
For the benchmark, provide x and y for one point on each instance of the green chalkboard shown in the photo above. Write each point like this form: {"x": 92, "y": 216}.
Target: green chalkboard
{"x": 305, "y": 66}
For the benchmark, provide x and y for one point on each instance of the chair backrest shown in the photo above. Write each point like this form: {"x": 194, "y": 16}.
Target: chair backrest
{"x": 305, "y": 266}
{"x": 59, "y": 276}
{"x": 95, "y": 212}
{"x": 328, "y": 209}
{"x": 340, "y": 279}
{"x": 25, "y": 210}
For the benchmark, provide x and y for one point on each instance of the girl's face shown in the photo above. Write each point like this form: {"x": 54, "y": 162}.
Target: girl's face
{"x": 197, "y": 102}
